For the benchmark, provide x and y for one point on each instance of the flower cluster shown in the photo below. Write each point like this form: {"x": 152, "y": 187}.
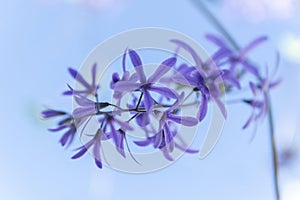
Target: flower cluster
{"x": 154, "y": 101}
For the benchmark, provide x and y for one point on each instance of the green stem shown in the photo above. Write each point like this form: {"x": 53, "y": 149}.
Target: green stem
{"x": 199, "y": 4}
{"x": 274, "y": 150}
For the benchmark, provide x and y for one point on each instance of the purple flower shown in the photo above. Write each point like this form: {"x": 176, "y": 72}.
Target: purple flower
{"x": 94, "y": 143}
{"x": 260, "y": 101}
{"x": 203, "y": 79}
{"x": 112, "y": 127}
{"x": 67, "y": 124}
{"x": 164, "y": 138}
{"x": 226, "y": 55}
{"x": 125, "y": 77}
{"x": 89, "y": 88}
{"x": 147, "y": 85}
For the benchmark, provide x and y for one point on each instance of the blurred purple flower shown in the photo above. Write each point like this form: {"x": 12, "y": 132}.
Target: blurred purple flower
{"x": 89, "y": 88}
{"x": 96, "y": 144}
{"x": 67, "y": 123}
{"x": 203, "y": 79}
{"x": 227, "y": 56}
{"x": 260, "y": 101}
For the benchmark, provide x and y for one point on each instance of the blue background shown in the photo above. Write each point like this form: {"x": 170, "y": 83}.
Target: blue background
{"x": 40, "y": 39}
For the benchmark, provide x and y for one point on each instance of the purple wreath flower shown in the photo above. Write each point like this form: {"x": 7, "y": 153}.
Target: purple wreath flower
{"x": 67, "y": 123}
{"x": 203, "y": 79}
{"x": 95, "y": 142}
{"x": 226, "y": 55}
{"x": 147, "y": 85}
{"x": 89, "y": 88}
{"x": 114, "y": 128}
{"x": 260, "y": 101}
{"x": 164, "y": 138}
{"x": 125, "y": 77}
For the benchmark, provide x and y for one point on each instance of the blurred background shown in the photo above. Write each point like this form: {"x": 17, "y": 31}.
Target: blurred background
{"x": 41, "y": 38}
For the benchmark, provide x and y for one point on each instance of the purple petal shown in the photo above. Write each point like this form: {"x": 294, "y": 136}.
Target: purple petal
{"x": 143, "y": 119}
{"x": 97, "y": 148}
{"x": 124, "y": 125}
{"x": 120, "y": 145}
{"x": 253, "y": 88}
{"x": 84, "y": 111}
{"x": 137, "y": 63}
{"x": 164, "y": 91}
{"x": 216, "y": 40}
{"x": 250, "y": 67}
{"x": 94, "y": 74}
{"x": 114, "y": 133}
{"x": 202, "y": 108}
{"x": 82, "y": 101}
{"x": 219, "y": 55}
{"x": 126, "y": 86}
{"x": 82, "y": 151}
{"x": 166, "y": 154}
{"x": 68, "y": 135}
{"x": 70, "y": 91}
{"x": 253, "y": 44}
{"x": 169, "y": 139}
{"x": 124, "y": 60}
{"x": 187, "y": 150}
{"x": 177, "y": 103}
{"x": 186, "y": 121}
{"x": 179, "y": 78}
{"x": 157, "y": 139}
{"x": 248, "y": 122}
{"x": 163, "y": 68}
{"x": 189, "y": 49}
{"x": 52, "y": 113}
{"x": 274, "y": 84}
{"x": 98, "y": 163}
{"x": 143, "y": 143}
{"x": 57, "y": 129}
{"x": 78, "y": 77}
{"x": 231, "y": 79}
{"x": 148, "y": 101}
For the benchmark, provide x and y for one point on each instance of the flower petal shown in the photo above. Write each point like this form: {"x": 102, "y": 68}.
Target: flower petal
{"x": 78, "y": 77}
{"x": 216, "y": 40}
{"x": 253, "y": 44}
{"x": 202, "y": 108}
{"x": 164, "y": 91}
{"x": 138, "y": 66}
{"x": 143, "y": 119}
{"x": 84, "y": 111}
{"x": 189, "y": 49}
{"x": 126, "y": 86}
{"x": 163, "y": 68}
{"x": 148, "y": 101}
{"x": 186, "y": 121}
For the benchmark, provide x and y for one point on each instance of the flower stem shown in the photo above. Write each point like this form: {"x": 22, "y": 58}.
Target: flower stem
{"x": 274, "y": 150}
{"x": 199, "y": 4}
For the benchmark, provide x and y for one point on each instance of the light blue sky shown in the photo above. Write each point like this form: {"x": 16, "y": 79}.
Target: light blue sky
{"x": 39, "y": 41}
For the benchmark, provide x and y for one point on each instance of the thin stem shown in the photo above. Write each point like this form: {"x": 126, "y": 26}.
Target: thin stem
{"x": 199, "y": 4}
{"x": 139, "y": 102}
{"x": 274, "y": 150}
